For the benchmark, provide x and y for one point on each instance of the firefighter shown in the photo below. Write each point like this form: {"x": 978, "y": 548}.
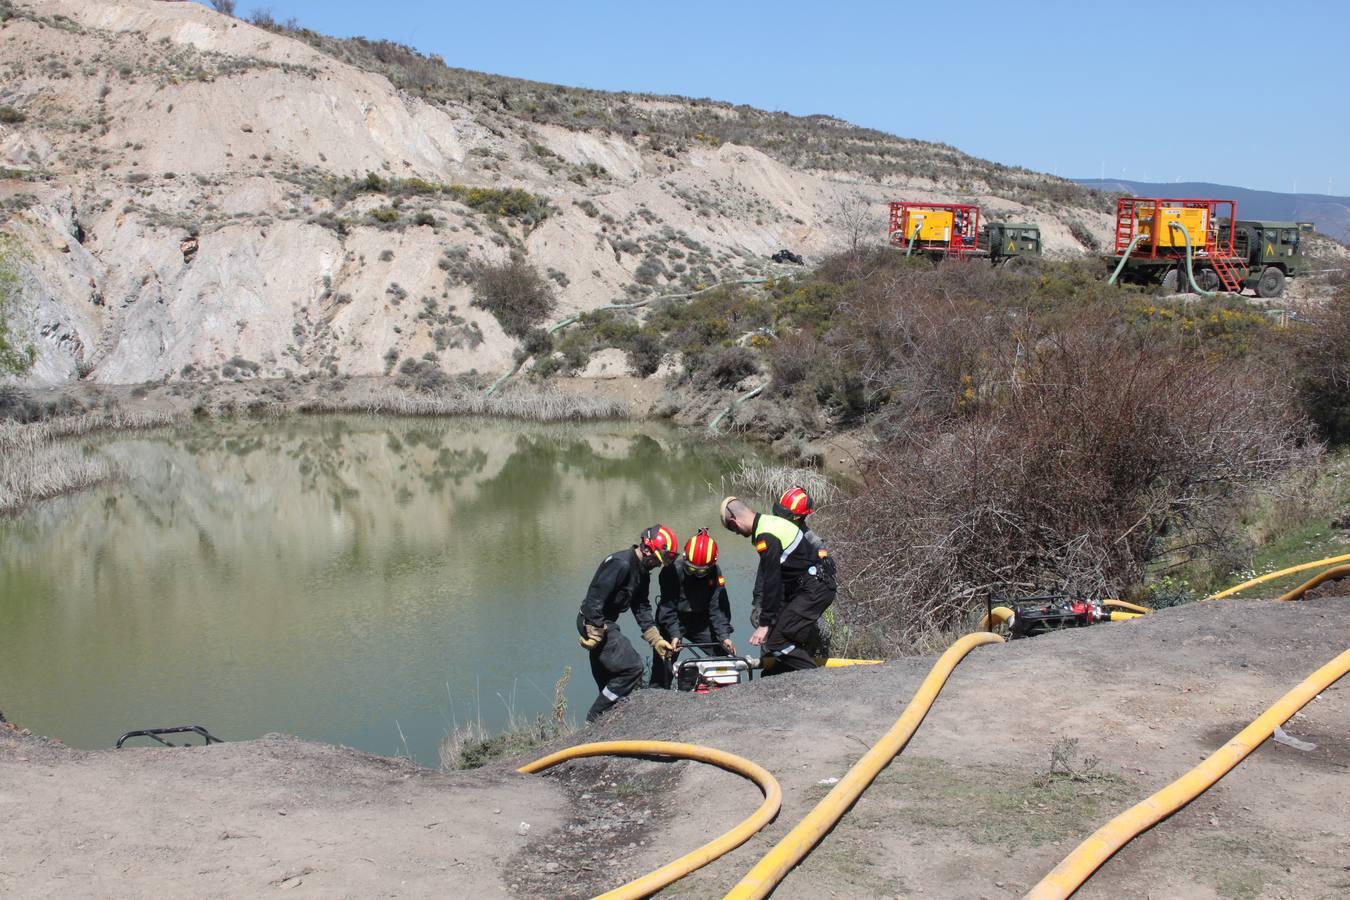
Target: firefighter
{"x": 796, "y": 584}
{"x": 693, "y": 606}
{"x": 795, "y": 505}
{"x": 623, "y": 582}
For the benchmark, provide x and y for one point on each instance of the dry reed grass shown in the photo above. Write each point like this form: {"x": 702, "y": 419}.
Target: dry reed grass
{"x": 35, "y": 465}
{"x": 551, "y": 406}
{"x": 770, "y": 481}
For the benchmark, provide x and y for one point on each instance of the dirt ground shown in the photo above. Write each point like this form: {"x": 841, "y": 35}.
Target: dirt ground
{"x": 965, "y": 811}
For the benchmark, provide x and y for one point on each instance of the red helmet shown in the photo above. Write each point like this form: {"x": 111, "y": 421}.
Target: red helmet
{"x": 661, "y": 541}
{"x": 701, "y": 551}
{"x": 796, "y": 501}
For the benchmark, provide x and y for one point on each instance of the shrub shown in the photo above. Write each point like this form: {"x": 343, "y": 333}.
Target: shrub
{"x": 537, "y": 342}
{"x": 512, "y": 203}
{"x": 423, "y": 375}
{"x": 10, "y": 116}
{"x": 14, "y": 360}
{"x": 1094, "y": 454}
{"x": 1322, "y": 352}
{"x": 514, "y": 292}
{"x": 727, "y": 366}
{"x": 711, "y": 318}
{"x": 649, "y": 270}
{"x": 644, "y": 354}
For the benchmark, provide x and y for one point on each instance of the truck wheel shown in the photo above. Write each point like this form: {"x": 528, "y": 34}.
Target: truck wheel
{"x": 1271, "y": 283}
{"x": 1168, "y": 285}
{"x": 1208, "y": 280}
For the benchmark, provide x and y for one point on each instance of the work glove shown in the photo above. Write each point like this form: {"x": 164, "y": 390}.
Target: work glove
{"x": 659, "y": 644}
{"x": 594, "y": 635}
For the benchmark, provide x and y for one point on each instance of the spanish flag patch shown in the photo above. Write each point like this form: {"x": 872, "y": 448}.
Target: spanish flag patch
{"x": 721, "y": 582}
{"x": 761, "y": 546}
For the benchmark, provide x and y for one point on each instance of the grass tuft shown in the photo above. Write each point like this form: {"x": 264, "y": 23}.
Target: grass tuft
{"x": 471, "y": 745}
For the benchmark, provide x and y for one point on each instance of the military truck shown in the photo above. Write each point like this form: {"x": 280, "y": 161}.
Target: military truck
{"x": 1153, "y": 236}
{"x": 953, "y": 231}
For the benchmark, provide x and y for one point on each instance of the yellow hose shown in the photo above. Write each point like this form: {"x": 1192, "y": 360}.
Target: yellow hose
{"x": 1125, "y": 616}
{"x": 999, "y": 614}
{"x": 794, "y": 847}
{"x": 1331, "y": 574}
{"x": 1070, "y": 874}
{"x": 1330, "y": 560}
{"x": 673, "y": 871}
{"x": 825, "y": 662}
{"x": 1128, "y": 607}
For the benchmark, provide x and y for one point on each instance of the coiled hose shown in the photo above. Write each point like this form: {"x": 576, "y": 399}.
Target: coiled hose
{"x": 673, "y": 871}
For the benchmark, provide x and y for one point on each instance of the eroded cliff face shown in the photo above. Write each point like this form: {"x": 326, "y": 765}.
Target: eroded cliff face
{"x": 193, "y": 199}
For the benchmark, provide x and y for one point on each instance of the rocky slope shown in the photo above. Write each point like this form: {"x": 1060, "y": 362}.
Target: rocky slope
{"x": 199, "y": 198}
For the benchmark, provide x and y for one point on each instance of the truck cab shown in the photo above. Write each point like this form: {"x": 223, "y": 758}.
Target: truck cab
{"x": 1271, "y": 250}
{"x": 1006, "y": 240}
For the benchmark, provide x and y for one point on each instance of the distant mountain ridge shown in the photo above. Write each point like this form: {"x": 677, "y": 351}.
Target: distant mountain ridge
{"x": 1330, "y": 214}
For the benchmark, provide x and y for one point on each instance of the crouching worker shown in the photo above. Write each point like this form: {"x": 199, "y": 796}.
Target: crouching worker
{"x": 796, "y": 587}
{"x": 622, "y": 582}
{"x": 694, "y": 607}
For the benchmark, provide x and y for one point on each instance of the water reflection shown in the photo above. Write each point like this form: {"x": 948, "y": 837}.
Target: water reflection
{"x": 341, "y": 578}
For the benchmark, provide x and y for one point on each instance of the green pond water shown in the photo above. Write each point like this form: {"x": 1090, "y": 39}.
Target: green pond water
{"x": 358, "y": 580}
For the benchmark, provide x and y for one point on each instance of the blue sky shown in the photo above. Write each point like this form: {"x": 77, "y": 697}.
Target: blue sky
{"x": 1077, "y": 89}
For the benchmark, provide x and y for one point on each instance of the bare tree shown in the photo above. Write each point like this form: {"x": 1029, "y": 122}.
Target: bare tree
{"x": 223, "y": 6}
{"x": 858, "y": 218}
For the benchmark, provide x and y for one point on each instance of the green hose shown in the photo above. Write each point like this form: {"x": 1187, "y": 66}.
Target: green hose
{"x": 748, "y": 395}
{"x": 1128, "y": 250}
{"x": 909, "y": 248}
{"x": 1190, "y": 274}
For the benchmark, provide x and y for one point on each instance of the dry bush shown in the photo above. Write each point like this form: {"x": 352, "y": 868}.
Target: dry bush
{"x": 514, "y": 292}
{"x": 1091, "y": 453}
{"x": 1322, "y": 345}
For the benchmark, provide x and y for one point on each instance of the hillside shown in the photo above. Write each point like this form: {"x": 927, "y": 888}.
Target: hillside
{"x": 203, "y": 199}
{"x": 1330, "y": 214}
